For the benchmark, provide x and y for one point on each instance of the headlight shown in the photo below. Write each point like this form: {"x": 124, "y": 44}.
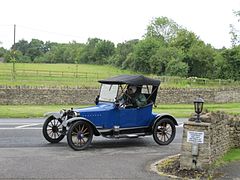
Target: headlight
{"x": 72, "y": 114}
{"x": 62, "y": 112}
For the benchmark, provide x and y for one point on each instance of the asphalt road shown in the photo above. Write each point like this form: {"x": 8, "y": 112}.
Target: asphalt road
{"x": 25, "y": 154}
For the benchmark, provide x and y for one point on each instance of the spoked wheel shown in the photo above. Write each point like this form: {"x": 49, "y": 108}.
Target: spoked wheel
{"x": 164, "y": 131}
{"x": 53, "y": 131}
{"x": 79, "y": 135}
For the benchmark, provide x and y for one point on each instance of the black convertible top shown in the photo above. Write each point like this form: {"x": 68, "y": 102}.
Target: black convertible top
{"x": 131, "y": 79}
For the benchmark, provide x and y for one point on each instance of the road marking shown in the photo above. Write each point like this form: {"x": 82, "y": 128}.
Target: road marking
{"x": 19, "y": 126}
{"x": 27, "y": 125}
{"x": 180, "y": 125}
{"x": 13, "y": 128}
{"x": 12, "y": 123}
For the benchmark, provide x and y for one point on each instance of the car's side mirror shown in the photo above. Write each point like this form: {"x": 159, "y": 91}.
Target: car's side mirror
{"x": 97, "y": 100}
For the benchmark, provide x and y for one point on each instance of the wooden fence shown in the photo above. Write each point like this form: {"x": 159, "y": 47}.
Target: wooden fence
{"x": 46, "y": 75}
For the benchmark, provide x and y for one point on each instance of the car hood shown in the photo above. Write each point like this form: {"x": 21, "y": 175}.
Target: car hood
{"x": 101, "y": 107}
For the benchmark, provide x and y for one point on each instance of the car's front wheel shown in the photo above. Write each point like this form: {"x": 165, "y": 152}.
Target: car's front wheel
{"x": 80, "y": 135}
{"x": 53, "y": 131}
{"x": 164, "y": 131}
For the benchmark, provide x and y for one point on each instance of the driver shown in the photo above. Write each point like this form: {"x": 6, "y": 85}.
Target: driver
{"x": 133, "y": 98}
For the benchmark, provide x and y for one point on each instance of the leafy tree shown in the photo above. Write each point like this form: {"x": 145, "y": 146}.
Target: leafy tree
{"x": 235, "y": 35}
{"x": 177, "y": 68}
{"x": 184, "y": 40}
{"x": 22, "y": 46}
{"x": 62, "y": 53}
{"x": 2, "y": 51}
{"x": 200, "y": 59}
{"x": 104, "y": 50}
{"x": 232, "y": 56}
{"x": 221, "y": 67}
{"x": 88, "y": 55}
{"x": 35, "y": 49}
{"x": 128, "y": 63}
{"x": 198, "y": 56}
{"x": 143, "y": 52}
{"x": 121, "y": 53}
{"x": 17, "y": 55}
{"x": 163, "y": 28}
{"x": 97, "y": 51}
{"x": 160, "y": 60}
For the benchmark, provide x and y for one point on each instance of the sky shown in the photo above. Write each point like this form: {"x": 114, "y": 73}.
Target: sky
{"x": 116, "y": 20}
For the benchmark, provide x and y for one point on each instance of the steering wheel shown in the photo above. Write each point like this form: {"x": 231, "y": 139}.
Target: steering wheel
{"x": 126, "y": 104}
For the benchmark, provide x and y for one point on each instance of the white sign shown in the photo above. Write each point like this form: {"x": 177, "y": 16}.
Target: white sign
{"x": 195, "y": 137}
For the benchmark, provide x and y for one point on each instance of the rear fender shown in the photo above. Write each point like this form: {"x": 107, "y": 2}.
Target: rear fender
{"x": 161, "y": 116}
{"x": 75, "y": 119}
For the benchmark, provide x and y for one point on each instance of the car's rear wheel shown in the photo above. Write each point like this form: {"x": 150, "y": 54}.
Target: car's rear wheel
{"x": 164, "y": 131}
{"x": 53, "y": 131}
{"x": 80, "y": 135}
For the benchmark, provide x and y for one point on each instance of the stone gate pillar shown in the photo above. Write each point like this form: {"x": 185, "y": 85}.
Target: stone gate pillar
{"x": 204, "y": 142}
{"x": 195, "y": 152}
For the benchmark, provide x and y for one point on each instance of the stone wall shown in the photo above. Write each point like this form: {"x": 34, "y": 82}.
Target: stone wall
{"x": 28, "y": 95}
{"x": 209, "y": 95}
{"x": 41, "y": 95}
{"x": 221, "y": 133}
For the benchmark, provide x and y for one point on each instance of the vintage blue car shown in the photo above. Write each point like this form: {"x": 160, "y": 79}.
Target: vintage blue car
{"x": 112, "y": 118}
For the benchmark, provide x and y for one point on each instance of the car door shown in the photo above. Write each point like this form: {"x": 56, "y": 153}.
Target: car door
{"x": 144, "y": 115}
{"x": 127, "y": 117}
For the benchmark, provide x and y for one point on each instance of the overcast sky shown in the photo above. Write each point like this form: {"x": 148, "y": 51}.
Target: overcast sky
{"x": 114, "y": 20}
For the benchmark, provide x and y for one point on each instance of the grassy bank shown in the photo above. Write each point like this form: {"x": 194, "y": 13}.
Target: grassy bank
{"x": 177, "y": 110}
{"x": 87, "y": 75}
{"x": 230, "y": 156}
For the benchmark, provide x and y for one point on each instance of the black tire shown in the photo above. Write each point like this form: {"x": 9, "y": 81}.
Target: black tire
{"x": 53, "y": 131}
{"x": 80, "y": 135}
{"x": 164, "y": 131}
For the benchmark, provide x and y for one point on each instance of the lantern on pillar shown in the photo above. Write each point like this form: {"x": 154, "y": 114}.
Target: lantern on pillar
{"x": 198, "y": 107}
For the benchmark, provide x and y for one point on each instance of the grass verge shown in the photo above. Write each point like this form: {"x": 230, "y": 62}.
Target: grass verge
{"x": 232, "y": 155}
{"x": 177, "y": 110}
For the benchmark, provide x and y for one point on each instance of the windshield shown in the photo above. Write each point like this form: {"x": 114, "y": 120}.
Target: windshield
{"x": 108, "y": 92}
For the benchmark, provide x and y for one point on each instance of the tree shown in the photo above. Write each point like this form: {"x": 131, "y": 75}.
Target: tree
{"x": 121, "y": 53}
{"x": 160, "y": 60}
{"x": 22, "y": 45}
{"x": 97, "y": 51}
{"x": 232, "y": 57}
{"x": 200, "y": 59}
{"x": 235, "y": 33}
{"x": 198, "y": 56}
{"x": 162, "y": 28}
{"x": 184, "y": 40}
{"x": 35, "y": 49}
{"x": 177, "y": 68}
{"x": 220, "y": 66}
{"x": 143, "y": 52}
{"x": 2, "y": 51}
{"x": 104, "y": 50}
{"x": 62, "y": 53}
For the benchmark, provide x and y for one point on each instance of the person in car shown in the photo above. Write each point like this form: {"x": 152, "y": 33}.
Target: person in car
{"x": 133, "y": 98}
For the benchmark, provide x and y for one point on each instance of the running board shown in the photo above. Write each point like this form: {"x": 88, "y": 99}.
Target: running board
{"x": 127, "y": 135}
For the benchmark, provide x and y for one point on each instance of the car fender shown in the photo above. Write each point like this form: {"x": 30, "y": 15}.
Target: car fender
{"x": 54, "y": 114}
{"x": 164, "y": 115}
{"x": 75, "y": 119}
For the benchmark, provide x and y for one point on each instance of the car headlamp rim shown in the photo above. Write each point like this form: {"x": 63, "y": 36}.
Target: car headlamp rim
{"x": 62, "y": 112}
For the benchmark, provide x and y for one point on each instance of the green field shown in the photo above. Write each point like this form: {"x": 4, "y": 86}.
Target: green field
{"x": 87, "y": 75}
{"x": 56, "y": 74}
{"x": 177, "y": 110}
